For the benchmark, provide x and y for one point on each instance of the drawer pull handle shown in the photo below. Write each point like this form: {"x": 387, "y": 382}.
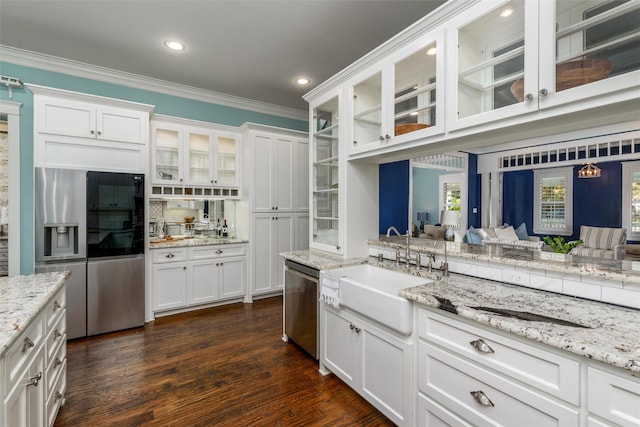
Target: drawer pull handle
{"x": 56, "y": 305}
{"x": 481, "y": 346}
{"x": 56, "y": 334}
{"x": 27, "y": 344}
{"x": 170, "y": 255}
{"x": 218, "y": 251}
{"x": 481, "y": 398}
{"x": 58, "y": 395}
{"x": 57, "y": 362}
{"x": 35, "y": 380}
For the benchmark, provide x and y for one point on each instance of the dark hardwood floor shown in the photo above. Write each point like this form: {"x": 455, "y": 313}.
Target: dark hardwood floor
{"x": 225, "y": 366}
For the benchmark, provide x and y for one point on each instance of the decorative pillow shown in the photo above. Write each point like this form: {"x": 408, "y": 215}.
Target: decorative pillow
{"x": 473, "y": 237}
{"x": 483, "y": 233}
{"x": 491, "y": 232}
{"x": 507, "y": 234}
{"x": 521, "y": 232}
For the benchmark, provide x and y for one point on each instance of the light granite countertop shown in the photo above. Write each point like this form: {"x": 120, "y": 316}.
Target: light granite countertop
{"x": 21, "y": 299}
{"x": 624, "y": 270}
{"x": 611, "y": 333}
{"x": 194, "y": 241}
{"x": 321, "y": 260}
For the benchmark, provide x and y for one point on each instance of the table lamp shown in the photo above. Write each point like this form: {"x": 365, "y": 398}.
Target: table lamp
{"x": 451, "y": 220}
{"x": 423, "y": 217}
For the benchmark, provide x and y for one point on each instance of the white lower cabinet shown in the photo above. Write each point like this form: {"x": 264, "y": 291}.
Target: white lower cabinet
{"x": 615, "y": 398}
{"x": 372, "y": 361}
{"x": 271, "y": 235}
{"x": 34, "y": 369}
{"x": 193, "y": 277}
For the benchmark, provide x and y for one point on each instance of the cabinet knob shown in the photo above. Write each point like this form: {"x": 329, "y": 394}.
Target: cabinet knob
{"x": 57, "y": 362}
{"x": 481, "y": 398}
{"x": 528, "y": 97}
{"x": 169, "y": 255}
{"x": 481, "y": 346}
{"x": 27, "y": 344}
{"x": 56, "y": 305}
{"x": 219, "y": 251}
{"x": 56, "y": 334}
{"x": 337, "y": 247}
{"x": 387, "y": 137}
{"x": 35, "y": 380}
{"x": 58, "y": 396}
{"x": 99, "y": 132}
{"x": 381, "y": 138}
{"x": 543, "y": 92}
{"x": 184, "y": 268}
{"x": 92, "y": 132}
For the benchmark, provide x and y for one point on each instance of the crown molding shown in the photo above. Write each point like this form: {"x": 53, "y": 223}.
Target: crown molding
{"x": 79, "y": 69}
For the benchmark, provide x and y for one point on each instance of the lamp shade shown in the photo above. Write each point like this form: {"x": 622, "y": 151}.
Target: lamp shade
{"x": 423, "y": 216}
{"x": 450, "y": 218}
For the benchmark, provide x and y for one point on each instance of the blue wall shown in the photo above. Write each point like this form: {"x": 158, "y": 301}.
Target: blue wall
{"x": 394, "y": 196}
{"x": 164, "y": 104}
{"x": 596, "y": 201}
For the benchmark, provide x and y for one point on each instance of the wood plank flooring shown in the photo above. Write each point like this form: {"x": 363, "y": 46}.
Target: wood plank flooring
{"x": 224, "y": 366}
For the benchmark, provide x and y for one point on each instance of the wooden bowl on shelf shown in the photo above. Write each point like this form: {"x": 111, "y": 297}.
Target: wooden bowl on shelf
{"x": 409, "y": 127}
{"x": 571, "y": 74}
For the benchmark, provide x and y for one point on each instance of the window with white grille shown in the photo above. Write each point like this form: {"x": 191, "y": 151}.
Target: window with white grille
{"x": 631, "y": 199}
{"x": 553, "y": 201}
{"x": 450, "y": 192}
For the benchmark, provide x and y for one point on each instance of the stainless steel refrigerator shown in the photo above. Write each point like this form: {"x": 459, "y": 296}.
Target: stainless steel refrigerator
{"x": 92, "y": 223}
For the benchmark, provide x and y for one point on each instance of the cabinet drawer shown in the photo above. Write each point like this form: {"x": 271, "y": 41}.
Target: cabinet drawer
{"x": 56, "y": 306}
{"x": 56, "y": 337}
{"x": 56, "y": 399}
{"x": 160, "y": 256}
{"x": 546, "y": 371}
{"x": 433, "y": 415}
{"x": 203, "y": 252}
{"x": 22, "y": 350}
{"x": 615, "y": 398}
{"x": 55, "y": 368}
{"x": 453, "y": 381}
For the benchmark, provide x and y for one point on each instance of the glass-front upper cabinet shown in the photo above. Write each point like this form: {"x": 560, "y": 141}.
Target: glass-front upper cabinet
{"x": 167, "y": 154}
{"x": 398, "y": 102}
{"x": 513, "y": 57}
{"x": 325, "y": 131}
{"x": 226, "y": 173}
{"x": 199, "y": 156}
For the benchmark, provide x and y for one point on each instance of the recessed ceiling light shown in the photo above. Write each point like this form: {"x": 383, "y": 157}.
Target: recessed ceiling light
{"x": 303, "y": 81}
{"x": 174, "y": 45}
{"x": 507, "y": 11}
{"x": 431, "y": 51}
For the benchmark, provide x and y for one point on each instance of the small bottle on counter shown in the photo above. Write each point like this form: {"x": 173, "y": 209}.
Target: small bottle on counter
{"x": 219, "y": 229}
{"x": 225, "y": 229}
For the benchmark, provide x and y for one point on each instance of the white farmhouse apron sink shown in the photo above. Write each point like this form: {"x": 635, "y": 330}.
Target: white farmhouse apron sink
{"x": 373, "y": 292}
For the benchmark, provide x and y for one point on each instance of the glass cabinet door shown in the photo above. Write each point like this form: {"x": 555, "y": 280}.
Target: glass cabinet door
{"x": 167, "y": 155}
{"x": 594, "y": 40}
{"x": 367, "y": 112}
{"x": 199, "y": 144}
{"x": 226, "y": 160}
{"x": 491, "y": 60}
{"x": 326, "y": 188}
{"x": 415, "y": 91}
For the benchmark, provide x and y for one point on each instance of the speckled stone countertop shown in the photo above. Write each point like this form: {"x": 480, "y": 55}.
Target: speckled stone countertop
{"x": 21, "y": 299}
{"x": 623, "y": 270}
{"x": 321, "y": 260}
{"x": 194, "y": 241}
{"x": 612, "y": 333}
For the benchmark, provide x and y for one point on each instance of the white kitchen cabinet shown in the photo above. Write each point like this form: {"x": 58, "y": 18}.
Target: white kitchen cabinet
{"x": 34, "y": 369}
{"x": 375, "y": 363}
{"x": 271, "y": 234}
{"x": 188, "y": 278}
{"x": 76, "y": 130}
{"x": 301, "y": 232}
{"x": 301, "y": 182}
{"x": 192, "y": 158}
{"x": 272, "y": 185}
{"x": 396, "y": 101}
{"x": 615, "y": 398}
{"x": 510, "y": 58}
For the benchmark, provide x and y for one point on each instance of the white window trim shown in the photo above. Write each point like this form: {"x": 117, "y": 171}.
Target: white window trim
{"x": 567, "y": 174}
{"x": 460, "y": 178}
{"x": 628, "y": 168}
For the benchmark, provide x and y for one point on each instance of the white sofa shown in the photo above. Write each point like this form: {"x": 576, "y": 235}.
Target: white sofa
{"x": 504, "y": 236}
{"x": 601, "y": 242}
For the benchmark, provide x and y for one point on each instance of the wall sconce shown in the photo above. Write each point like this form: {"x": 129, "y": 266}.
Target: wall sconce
{"x": 423, "y": 217}
{"x": 589, "y": 171}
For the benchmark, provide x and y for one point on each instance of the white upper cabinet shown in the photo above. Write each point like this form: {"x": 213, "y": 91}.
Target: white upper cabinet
{"x": 194, "y": 154}
{"x": 507, "y": 58}
{"x": 396, "y": 101}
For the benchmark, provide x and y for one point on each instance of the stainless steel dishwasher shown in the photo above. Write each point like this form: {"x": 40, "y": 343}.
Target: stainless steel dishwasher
{"x": 301, "y": 306}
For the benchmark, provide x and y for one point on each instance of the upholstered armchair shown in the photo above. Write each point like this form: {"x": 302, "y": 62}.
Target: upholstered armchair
{"x": 601, "y": 242}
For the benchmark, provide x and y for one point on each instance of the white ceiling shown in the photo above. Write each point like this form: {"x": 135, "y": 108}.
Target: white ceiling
{"x": 249, "y": 49}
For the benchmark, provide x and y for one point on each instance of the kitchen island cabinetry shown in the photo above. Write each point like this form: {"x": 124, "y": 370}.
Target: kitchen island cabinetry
{"x": 34, "y": 363}
{"x": 372, "y": 361}
{"x": 187, "y": 278}
{"x": 76, "y": 130}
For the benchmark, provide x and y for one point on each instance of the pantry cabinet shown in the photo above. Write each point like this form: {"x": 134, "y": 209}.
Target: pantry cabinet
{"x": 372, "y": 361}
{"x": 188, "y": 278}
{"x": 194, "y": 158}
{"x": 271, "y": 234}
{"x": 509, "y": 58}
